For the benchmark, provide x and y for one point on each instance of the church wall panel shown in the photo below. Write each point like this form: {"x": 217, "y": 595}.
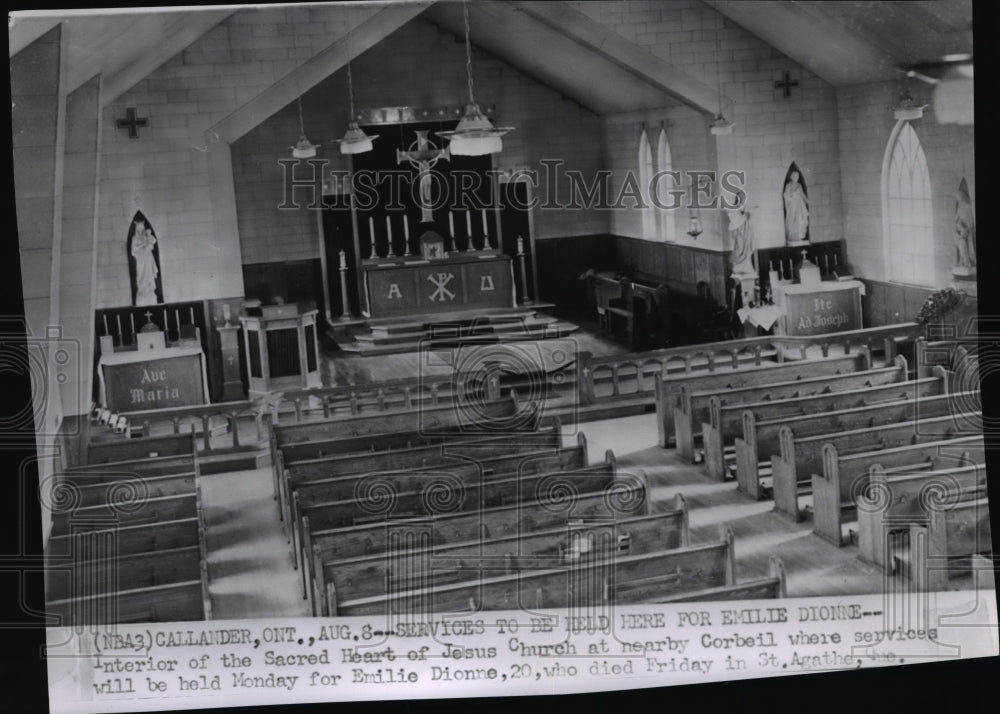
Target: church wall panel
{"x": 865, "y": 124}
{"x": 771, "y": 130}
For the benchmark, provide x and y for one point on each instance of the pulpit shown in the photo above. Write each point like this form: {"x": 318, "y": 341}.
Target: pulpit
{"x": 281, "y": 348}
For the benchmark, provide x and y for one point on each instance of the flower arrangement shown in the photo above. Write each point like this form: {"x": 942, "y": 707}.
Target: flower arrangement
{"x": 939, "y": 304}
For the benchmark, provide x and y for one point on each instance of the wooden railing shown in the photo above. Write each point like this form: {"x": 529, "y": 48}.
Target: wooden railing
{"x": 640, "y": 367}
{"x": 344, "y": 402}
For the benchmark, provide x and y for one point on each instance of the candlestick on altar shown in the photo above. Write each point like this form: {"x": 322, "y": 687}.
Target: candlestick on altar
{"x": 406, "y": 233}
{"x": 191, "y": 308}
{"x": 451, "y": 224}
{"x": 345, "y": 313}
{"x": 485, "y": 229}
{"x": 388, "y": 230}
{"x": 121, "y": 338}
{"x": 525, "y": 300}
{"x": 132, "y": 318}
{"x": 371, "y": 235}
{"x": 177, "y": 316}
{"x": 468, "y": 230}
{"x": 105, "y": 316}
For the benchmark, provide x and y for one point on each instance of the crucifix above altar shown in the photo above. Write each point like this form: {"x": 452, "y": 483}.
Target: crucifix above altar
{"x": 423, "y": 155}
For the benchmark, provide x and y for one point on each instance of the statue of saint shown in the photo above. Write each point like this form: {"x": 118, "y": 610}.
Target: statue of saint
{"x": 145, "y": 269}
{"x": 741, "y": 232}
{"x": 965, "y": 231}
{"x": 796, "y": 208}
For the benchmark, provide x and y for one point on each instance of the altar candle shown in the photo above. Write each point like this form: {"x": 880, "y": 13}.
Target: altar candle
{"x": 118, "y": 319}
{"x": 388, "y": 228}
{"x": 105, "y": 316}
{"x": 343, "y": 261}
{"x": 131, "y": 317}
{"x": 177, "y": 316}
{"x": 166, "y": 323}
{"x": 485, "y": 231}
{"x": 468, "y": 223}
{"x": 371, "y": 228}
{"x": 406, "y": 229}
{"x": 451, "y": 223}
{"x": 192, "y": 314}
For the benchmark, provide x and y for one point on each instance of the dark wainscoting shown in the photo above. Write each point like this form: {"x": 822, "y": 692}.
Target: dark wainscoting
{"x": 561, "y": 261}
{"x": 679, "y": 267}
{"x": 295, "y": 281}
{"x": 887, "y": 303}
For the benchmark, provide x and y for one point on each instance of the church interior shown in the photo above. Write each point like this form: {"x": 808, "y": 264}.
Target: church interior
{"x": 316, "y": 294}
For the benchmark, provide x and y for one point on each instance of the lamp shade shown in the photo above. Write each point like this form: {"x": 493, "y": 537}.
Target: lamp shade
{"x": 355, "y": 140}
{"x": 907, "y": 108}
{"x": 304, "y": 149}
{"x": 721, "y": 126}
{"x": 475, "y": 135}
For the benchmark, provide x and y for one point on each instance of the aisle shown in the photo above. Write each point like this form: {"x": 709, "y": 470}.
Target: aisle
{"x": 250, "y": 570}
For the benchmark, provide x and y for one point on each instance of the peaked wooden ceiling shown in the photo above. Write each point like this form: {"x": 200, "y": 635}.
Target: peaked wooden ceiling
{"x": 844, "y": 43}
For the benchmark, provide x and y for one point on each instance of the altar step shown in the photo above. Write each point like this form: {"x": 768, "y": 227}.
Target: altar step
{"x": 394, "y": 335}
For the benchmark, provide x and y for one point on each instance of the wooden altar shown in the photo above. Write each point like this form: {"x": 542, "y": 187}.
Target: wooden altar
{"x": 138, "y": 380}
{"x": 471, "y": 280}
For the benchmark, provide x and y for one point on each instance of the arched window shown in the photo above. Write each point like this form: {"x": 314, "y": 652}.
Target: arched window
{"x": 907, "y": 220}
{"x": 664, "y": 216}
{"x": 645, "y": 177}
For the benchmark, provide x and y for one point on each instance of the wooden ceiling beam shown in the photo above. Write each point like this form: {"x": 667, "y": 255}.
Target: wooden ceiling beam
{"x": 179, "y": 34}
{"x": 605, "y": 43}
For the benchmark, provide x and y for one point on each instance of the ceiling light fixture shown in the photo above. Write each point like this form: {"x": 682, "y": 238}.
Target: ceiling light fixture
{"x": 355, "y": 140}
{"x": 475, "y": 135}
{"x": 304, "y": 149}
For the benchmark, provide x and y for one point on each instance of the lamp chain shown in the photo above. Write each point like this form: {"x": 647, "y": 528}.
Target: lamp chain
{"x": 468, "y": 50}
{"x": 302, "y": 125}
{"x": 350, "y": 88}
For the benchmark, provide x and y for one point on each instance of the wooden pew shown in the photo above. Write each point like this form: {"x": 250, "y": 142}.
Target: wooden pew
{"x": 443, "y": 492}
{"x": 668, "y": 391}
{"x": 467, "y": 470}
{"x": 793, "y": 442}
{"x": 768, "y": 588}
{"x": 961, "y": 531}
{"x": 341, "y": 435}
{"x": 694, "y": 408}
{"x": 128, "y": 534}
{"x": 498, "y": 449}
{"x": 413, "y": 452}
{"x": 843, "y": 476}
{"x": 352, "y": 578}
{"x": 585, "y": 583}
{"x": 623, "y": 498}
{"x": 163, "y": 508}
{"x": 727, "y": 423}
{"x": 141, "y": 448}
{"x": 95, "y": 494}
{"x": 895, "y": 501}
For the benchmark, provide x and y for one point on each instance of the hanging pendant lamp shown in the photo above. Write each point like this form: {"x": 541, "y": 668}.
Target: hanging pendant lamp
{"x": 303, "y": 149}
{"x": 907, "y": 108}
{"x": 355, "y": 140}
{"x": 475, "y": 135}
{"x": 720, "y": 126}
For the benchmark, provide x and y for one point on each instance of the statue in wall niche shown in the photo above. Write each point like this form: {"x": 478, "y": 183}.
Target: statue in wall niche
{"x": 796, "y": 202}
{"x": 741, "y": 232}
{"x": 965, "y": 232}
{"x": 144, "y": 262}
